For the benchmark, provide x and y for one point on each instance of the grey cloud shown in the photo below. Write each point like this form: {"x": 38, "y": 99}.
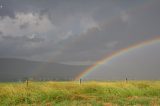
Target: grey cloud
{"x": 86, "y": 43}
{"x": 23, "y": 38}
{"x": 7, "y": 9}
{"x": 24, "y": 25}
{"x": 92, "y": 44}
{"x": 18, "y": 49}
{"x": 22, "y": 46}
{"x": 1, "y": 33}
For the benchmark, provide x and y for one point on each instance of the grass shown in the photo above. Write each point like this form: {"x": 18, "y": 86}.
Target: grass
{"x": 118, "y": 93}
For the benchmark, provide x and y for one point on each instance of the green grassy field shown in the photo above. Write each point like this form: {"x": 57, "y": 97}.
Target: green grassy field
{"x": 118, "y": 93}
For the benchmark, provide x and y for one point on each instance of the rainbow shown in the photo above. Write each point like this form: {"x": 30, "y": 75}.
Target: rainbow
{"x": 144, "y": 6}
{"x": 116, "y": 54}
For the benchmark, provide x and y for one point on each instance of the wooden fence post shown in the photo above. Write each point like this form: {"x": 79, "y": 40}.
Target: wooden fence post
{"x": 27, "y": 82}
{"x": 80, "y": 80}
{"x": 126, "y": 79}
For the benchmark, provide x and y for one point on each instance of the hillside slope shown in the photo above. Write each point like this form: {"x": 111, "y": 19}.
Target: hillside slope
{"x": 19, "y": 69}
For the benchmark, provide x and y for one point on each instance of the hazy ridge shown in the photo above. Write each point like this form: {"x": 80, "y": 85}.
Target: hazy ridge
{"x": 19, "y": 69}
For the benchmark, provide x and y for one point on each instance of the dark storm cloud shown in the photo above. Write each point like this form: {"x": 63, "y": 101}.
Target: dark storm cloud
{"x": 69, "y": 30}
{"x": 94, "y": 44}
{"x": 23, "y": 47}
{"x": 11, "y": 7}
{"x": 7, "y": 8}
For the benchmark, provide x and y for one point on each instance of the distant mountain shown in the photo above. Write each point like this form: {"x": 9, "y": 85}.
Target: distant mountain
{"x": 19, "y": 69}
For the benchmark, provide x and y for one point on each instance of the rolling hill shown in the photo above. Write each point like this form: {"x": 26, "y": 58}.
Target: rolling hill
{"x": 19, "y": 69}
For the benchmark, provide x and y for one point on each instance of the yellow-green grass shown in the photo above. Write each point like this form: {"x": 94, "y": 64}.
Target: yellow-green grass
{"x": 117, "y": 93}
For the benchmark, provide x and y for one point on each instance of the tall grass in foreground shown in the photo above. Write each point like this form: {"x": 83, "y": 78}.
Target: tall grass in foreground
{"x": 145, "y": 93}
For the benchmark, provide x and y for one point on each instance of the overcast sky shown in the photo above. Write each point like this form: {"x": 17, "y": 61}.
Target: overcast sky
{"x": 75, "y": 31}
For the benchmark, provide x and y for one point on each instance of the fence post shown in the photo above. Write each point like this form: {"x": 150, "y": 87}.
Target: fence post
{"x": 126, "y": 79}
{"x": 80, "y": 80}
{"x": 27, "y": 82}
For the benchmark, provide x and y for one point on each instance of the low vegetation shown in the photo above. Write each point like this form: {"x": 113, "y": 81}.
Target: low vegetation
{"x": 118, "y": 93}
